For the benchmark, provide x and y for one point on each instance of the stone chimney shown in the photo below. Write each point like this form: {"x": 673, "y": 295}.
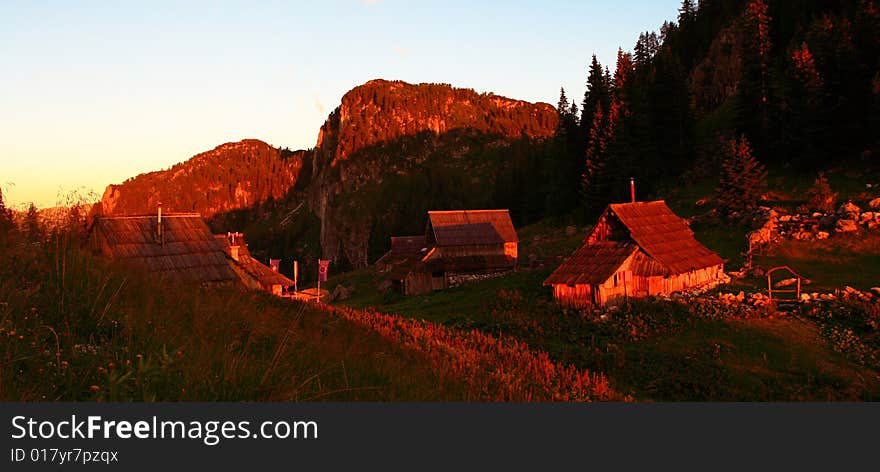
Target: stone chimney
{"x": 160, "y": 233}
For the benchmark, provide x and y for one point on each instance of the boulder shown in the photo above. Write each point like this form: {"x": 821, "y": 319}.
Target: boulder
{"x": 786, "y": 282}
{"x": 866, "y": 216}
{"x": 822, "y": 235}
{"x": 817, "y": 215}
{"x": 785, "y": 218}
{"x": 875, "y": 203}
{"x": 849, "y": 210}
{"x": 341, "y": 292}
{"x": 846, "y": 226}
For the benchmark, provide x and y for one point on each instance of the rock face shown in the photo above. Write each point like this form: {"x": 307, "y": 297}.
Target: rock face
{"x": 369, "y": 151}
{"x": 383, "y": 130}
{"x": 229, "y": 177}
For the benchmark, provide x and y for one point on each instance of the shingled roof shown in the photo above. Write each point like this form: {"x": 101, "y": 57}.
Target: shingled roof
{"x": 471, "y": 227}
{"x": 592, "y": 263}
{"x": 401, "y": 245}
{"x": 188, "y": 251}
{"x": 659, "y": 243}
{"x": 254, "y": 268}
{"x": 664, "y": 236}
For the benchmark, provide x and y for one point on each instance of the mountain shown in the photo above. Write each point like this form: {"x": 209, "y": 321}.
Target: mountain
{"x": 393, "y": 150}
{"x": 229, "y": 177}
{"x": 387, "y": 154}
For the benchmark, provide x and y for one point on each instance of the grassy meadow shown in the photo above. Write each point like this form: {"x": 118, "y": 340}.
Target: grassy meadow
{"x": 75, "y": 328}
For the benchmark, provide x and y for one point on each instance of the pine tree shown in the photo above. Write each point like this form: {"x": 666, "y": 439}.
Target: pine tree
{"x": 7, "y": 221}
{"x": 594, "y": 178}
{"x": 598, "y": 93}
{"x": 31, "y": 224}
{"x": 820, "y": 196}
{"x": 743, "y": 179}
{"x": 687, "y": 13}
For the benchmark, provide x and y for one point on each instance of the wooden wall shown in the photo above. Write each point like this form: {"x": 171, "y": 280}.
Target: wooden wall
{"x": 617, "y": 291}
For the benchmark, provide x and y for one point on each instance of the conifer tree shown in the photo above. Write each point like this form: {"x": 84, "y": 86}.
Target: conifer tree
{"x": 597, "y": 93}
{"x": 820, "y": 196}
{"x": 743, "y": 178}
{"x": 7, "y": 222}
{"x": 687, "y": 13}
{"x": 32, "y": 224}
{"x": 594, "y": 178}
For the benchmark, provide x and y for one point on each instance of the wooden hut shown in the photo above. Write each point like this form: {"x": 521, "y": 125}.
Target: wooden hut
{"x": 457, "y": 246}
{"x": 252, "y": 273}
{"x": 175, "y": 246}
{"x": 635, "y": 250}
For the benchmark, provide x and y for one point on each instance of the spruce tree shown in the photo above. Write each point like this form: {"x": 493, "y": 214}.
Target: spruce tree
{"x": 7, "y": 222}
{"x": 32, "y": 224}
{"x": 743, "y": 179}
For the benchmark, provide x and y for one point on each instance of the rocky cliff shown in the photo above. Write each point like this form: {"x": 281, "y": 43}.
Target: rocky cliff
{"x": 229, "y": 177}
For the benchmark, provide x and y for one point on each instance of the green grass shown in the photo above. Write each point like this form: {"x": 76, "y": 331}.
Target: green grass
{"x": 74, "y": 328}
{"x": 686, "y": 357}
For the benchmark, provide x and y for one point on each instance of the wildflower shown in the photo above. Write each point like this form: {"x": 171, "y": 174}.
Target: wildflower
{"x": 12, "y": 332}
{"x": 94, "y": 388}
{"x": 64, "y": 364}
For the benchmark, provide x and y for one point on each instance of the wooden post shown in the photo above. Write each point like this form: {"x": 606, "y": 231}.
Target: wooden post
{"x": 769, "y": 286}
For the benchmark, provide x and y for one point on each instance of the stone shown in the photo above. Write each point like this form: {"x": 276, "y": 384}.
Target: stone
{"x": 849, "y": 210}
{"x": 785, "y": 218}
{"x": 876, "y": 291}
{"x": 786, "y": 282}
{"x": 340, "y": 292}
{"x": 817, "y": 215}
{"x": 875, "y": 203}
{"x": 866, "y": 216}
{"x": 846, "y": 226}
{"x": 822, "y": 235}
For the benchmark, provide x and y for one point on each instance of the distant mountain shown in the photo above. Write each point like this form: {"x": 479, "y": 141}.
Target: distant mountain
{"x": 387, "y": 154}
{"x": 393, "y": 150}
{"x": 229, "y": 177}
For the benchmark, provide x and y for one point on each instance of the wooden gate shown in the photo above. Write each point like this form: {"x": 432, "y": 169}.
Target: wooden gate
{"x": 784, "y": 294}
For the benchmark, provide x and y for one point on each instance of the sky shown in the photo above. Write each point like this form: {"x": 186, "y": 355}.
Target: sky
{"x": 92, "y": 93}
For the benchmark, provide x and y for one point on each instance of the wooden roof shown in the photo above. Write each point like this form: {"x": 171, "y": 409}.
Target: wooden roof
{"x": 592, "y": 263}
{"x": 188, "y": 251}
{"x": 657, "y": 243}
{"x": 401, "y": 245}
{"x": 664, "y": 236}
{"x": 471, "y": 227}
{"x": 256, "y": 269}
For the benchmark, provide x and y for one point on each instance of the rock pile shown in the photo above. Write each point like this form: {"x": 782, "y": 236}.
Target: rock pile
{"x": 849, "y": 218}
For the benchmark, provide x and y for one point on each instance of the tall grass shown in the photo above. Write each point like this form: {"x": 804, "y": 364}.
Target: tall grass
{"x": 75, "y": 327}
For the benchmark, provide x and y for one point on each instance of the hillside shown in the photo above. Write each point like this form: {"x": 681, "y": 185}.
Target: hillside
{"x": 229, "y": 177}
{"x": 388, "y": 153}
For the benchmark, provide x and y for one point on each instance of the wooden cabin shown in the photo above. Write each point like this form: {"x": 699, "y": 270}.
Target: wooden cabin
{"x": 177, "y": 246}
{"x": 457, "y": 246}
{"x": 252, "y": 273}
{"x": 635, "y": 250}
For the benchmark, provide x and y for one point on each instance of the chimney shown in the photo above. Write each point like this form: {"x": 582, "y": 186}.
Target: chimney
{"x": 274, "y": 264}
{"x": 632, "y": 189}
{"x": 160, "y": 236}
{"x": 233, "y": 245}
